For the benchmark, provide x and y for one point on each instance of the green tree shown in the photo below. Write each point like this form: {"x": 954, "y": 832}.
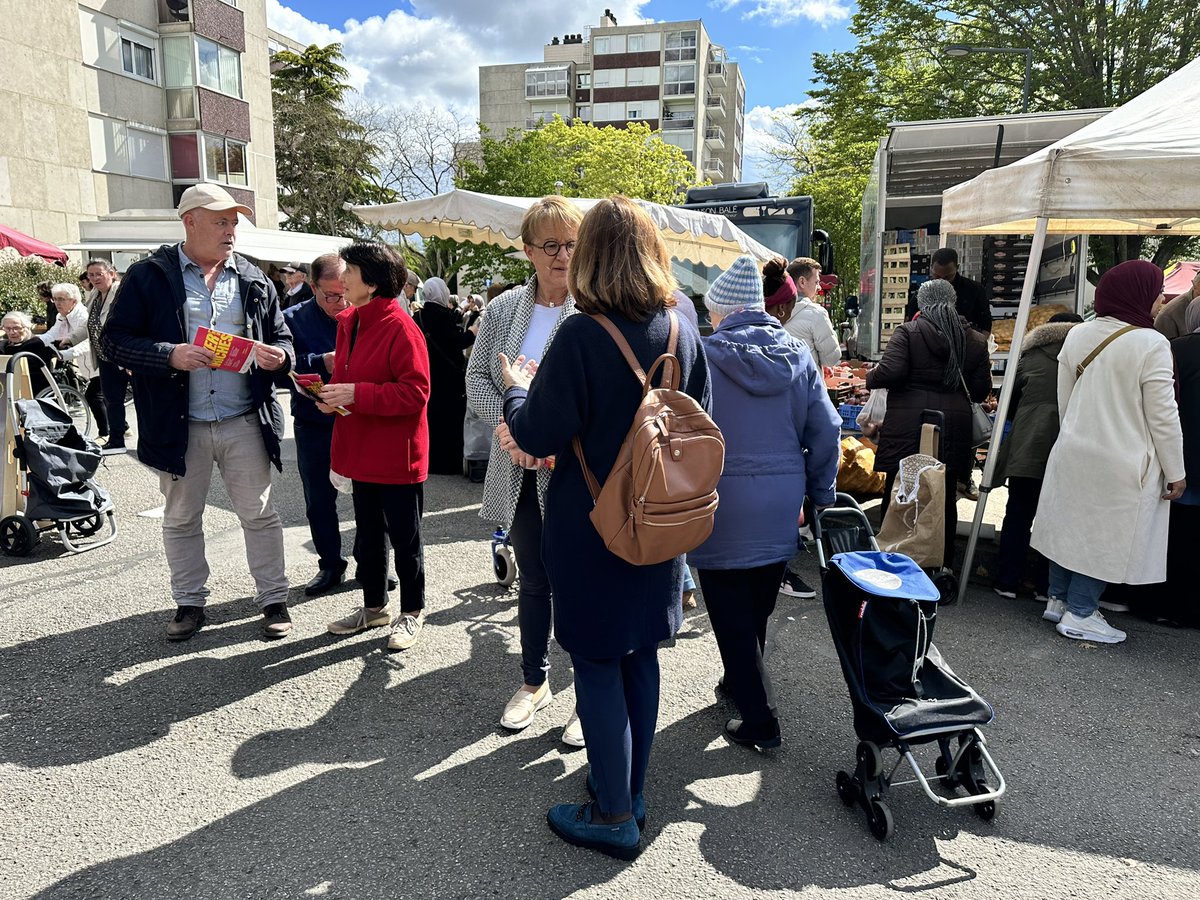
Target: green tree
{"x": 1087, "y": 55}
{"x": 323, "y": 159}
{"x": 574, "y": 159}
{"x": 20, "y": 276}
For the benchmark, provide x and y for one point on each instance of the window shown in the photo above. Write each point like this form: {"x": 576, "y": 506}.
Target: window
{"x": 613, "y": 43}
{"x": 137, "y": 59}
{"x": 584, "y": 114}
{"x": 642, "y": 109}
{"x": 642, "y": 75}
{"x": 609, "y": 78}
{"x": 636, "y": 43}
{"x": 684, "y": 140}
{"x": 608, "y": 112}
{"x": 679, "y": 80}
{"x": 681, "y": 45}
{"x": 219, "y": 67}
{"x": 546, "y": 83}
{"x": 123, "y": 149}
{"x": 583, "y": 81}
{"x": 599, "y": 46}
{"x": 224, "y": 160}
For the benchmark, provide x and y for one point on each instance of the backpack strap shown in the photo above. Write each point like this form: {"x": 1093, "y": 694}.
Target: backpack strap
{"x": 670, "y": 372}
{"x": 1087, "y": 360}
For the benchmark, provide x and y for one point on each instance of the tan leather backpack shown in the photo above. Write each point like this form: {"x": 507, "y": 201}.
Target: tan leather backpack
{"x": 660, "y": 497}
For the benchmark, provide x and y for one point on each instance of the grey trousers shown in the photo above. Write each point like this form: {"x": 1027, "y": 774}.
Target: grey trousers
{"x": 236, "y": 446}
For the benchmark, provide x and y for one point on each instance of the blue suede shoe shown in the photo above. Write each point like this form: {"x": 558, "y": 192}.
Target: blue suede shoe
{"x": 639, "y": 804}
{"x": 573, "y": 823}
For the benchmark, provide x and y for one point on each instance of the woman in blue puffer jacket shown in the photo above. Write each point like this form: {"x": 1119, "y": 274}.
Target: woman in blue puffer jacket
{"x": 781, "y": 444}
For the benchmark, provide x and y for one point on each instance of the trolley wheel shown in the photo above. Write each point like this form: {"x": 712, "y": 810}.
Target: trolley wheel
{"x": 987, "y": 809}
{"x": 504, "y": 566}
{"x": 84, "y": 527}
{"x": 870, "y": 759}
{"x": 17, "y": 535}
{"x": 846, "y": 788}
{"x": 76, "y": 407}
{"x": 879, "y": 820}
{"x": 942, "y": 768}
{"x": 946, "y": 583}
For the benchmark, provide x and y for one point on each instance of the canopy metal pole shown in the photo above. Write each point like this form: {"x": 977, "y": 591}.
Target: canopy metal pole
{"x": 1010, "y": 380}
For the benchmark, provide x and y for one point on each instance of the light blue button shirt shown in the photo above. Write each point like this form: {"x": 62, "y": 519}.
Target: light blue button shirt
{"x": 214, "y": 395}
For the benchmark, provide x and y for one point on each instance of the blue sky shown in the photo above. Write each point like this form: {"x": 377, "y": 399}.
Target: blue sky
{"x": 428, "y": 51}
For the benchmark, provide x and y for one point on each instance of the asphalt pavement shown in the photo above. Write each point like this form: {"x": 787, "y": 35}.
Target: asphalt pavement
{"x": 230, "y": 767}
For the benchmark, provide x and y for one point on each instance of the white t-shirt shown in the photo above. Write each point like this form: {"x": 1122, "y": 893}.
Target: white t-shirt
{"x": 540, "y": 326}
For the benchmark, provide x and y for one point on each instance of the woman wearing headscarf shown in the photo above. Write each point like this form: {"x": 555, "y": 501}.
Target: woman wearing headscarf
{"x": 446, "y": 341}
{"x": 1033, "y": 411}
{"x": 925, "y": 366}
{"x": 1103, "y": 516}
{"x": 524, "y": 321}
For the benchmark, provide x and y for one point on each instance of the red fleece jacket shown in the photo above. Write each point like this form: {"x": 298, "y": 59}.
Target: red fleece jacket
{"x": 385, "y": 439}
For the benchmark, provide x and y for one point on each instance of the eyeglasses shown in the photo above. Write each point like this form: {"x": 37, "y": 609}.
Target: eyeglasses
{"x": 551, "y": 248}
{"x": 332, "y": 298}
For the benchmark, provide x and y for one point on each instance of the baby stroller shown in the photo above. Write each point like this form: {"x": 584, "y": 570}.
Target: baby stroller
{"x": 57, "y": 466}
{"x": 881, "y": 609}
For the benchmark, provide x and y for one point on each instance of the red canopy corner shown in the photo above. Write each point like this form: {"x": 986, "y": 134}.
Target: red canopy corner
{"x": 28, "y": 246}
{"x": 1179, "y": 278}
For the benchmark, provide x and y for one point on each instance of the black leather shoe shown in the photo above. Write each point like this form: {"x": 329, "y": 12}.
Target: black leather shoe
{"x": 325, "y": 580}
{"x": 765, "y": 736}
{"x": 277, "y": 622}
{"x": 188, "y": 620}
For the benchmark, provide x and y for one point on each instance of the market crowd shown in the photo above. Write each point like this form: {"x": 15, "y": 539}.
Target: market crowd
{"x": 384, "y": 369}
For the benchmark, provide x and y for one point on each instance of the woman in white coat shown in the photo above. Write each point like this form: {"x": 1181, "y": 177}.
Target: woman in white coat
{"x": 1104, "y": 510}
{"x": 69, "y": 336}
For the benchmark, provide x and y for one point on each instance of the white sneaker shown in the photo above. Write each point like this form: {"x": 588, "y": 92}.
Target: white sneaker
{"x": 523, "y": 706}
{"x": 573, "y": 734}
{"x": 1093, "y": 628}
{"x": 1054, "y": 610}
{"x": 1114, "y": 607}
{"x": 406, "y": 630}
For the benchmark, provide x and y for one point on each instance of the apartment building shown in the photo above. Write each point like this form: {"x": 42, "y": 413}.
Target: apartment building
{"x": 115, "y": 105}
{"x": 668, "y": 74}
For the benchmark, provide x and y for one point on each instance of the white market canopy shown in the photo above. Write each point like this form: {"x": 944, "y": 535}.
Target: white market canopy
{"x": 1134, "y": 171}
{"x": 690, "y": 236}
{"x": 143, "y": 230}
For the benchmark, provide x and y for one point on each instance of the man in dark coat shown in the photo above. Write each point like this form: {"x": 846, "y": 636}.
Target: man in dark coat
{"x": 191, "y": 415}
{"x": 972, "y": 302}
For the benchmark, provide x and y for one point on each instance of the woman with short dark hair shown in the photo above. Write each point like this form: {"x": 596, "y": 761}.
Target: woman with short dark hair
{"x": 381, "y": 375}
{"x": 608, "y": 614}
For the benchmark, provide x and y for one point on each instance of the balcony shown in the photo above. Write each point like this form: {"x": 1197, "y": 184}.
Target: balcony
{"x": 715, "y": 104}
{"x": 717, "y": 72}
{"x": 714, "y": 137}
{"x": 714, "y": 167}
{"x": 678, "y": 123}
{"x": 537, "y": 120}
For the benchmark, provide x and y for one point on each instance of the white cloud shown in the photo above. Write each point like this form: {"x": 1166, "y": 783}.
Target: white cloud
{"x": 432, "y": 55}
{"x": 823, "y": 12}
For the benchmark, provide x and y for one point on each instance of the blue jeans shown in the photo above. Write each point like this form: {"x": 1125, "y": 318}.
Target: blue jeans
{"x": 1081, "y": 592}
{"x": 320, "y": 496}
{"x": 617, "y": 702}
{"x": 689, "y": 583}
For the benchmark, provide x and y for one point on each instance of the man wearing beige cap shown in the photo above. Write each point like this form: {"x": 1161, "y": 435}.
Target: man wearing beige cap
{"x": 190, "y": 415}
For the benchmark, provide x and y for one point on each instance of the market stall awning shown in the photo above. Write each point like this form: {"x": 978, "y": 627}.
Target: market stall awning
{"x": 30, "y": 246}
{"x": 140, "y": 231}
{"x": 1179, "y": 277}
{"x": 1131, "y": 172}
{"x": 690, "y": 236}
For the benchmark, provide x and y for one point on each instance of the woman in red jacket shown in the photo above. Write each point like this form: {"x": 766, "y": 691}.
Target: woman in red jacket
{"x": 381, "y": 375}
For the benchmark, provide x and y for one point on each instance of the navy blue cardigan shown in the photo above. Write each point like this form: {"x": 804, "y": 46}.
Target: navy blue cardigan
{"x": 603, "y": 606}
{"x": 314, "y": 333}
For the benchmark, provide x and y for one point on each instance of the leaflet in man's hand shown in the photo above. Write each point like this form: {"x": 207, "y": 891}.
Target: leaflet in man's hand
{"x": 310, "y": 386}
{"x": 231, "y": 353}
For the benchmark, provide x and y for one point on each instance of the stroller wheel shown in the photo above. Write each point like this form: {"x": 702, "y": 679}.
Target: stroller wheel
{"x": 947, "y": 584}
{"x": 846, "y": 788}
{"x": 504, "y": 566}
{"x": 870, "y": 760}
{"x": 879, "y": 820}
{"x": 987, "y": 809}
{"x": 84, "y": 527}
{"x": 17, "y": 535}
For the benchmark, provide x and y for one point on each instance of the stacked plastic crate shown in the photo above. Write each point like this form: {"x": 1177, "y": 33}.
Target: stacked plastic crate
{"x": 1005, "y": 260}
{"x": 897, "y": 270}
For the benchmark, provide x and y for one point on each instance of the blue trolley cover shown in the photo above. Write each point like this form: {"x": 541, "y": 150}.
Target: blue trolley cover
{"x": 886, "y": 575}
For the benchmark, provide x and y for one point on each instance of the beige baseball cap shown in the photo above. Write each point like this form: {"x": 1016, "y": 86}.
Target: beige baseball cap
{"x": 210, "y": 196}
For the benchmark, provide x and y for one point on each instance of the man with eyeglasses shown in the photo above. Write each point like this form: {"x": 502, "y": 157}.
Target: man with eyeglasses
{"x": 313, "y": 324}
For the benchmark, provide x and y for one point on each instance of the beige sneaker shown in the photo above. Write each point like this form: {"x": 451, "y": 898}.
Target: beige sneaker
{"x": 689, "y": 600}
{"x": 573, "y": 734}
{"x": 523, "y": 706}
{"x": 406, "y": 630}
{"x": 360, "y": 620}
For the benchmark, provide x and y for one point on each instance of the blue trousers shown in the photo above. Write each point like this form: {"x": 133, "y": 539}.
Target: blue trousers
{"x": 320, "y": 496}
{"x": 1081, "y": 592}
{"x": 533, "y": 595}
{"x": 617, "y": 702}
